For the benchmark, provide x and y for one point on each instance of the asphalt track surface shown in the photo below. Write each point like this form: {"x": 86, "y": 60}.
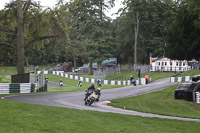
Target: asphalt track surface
{"x": 75, "y": 99}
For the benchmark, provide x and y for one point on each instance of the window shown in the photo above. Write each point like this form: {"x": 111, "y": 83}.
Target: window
{"x": 159, "y": 63}
{"x": 176, "y": 63}
{"x": 165, "y": 63}
{"x": 183, "y": 63}
{"x": 170, "y": 63}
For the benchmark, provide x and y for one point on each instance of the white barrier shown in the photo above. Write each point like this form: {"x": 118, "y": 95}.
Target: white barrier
{"x": 7, "y": 88}
{"x": 197, "y": 97}
{"x": 107, "y": 82}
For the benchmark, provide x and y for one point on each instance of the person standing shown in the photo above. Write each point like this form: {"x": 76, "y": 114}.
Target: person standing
{"x": 147, "y": 78}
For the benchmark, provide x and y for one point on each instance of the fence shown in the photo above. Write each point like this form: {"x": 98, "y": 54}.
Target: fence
{"x": 30, "y": 68}
{"x": 41, "y": 83}
{"x": 7, "y": 88}
{"x": 98, "y": 74}
{"x": 107, "y": 82}
{"x": 181, "y": 79}
{"x": 129, "y": 68}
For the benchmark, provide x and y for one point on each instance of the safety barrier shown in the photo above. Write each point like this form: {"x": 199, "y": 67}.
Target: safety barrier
{"x": 107, "y": 82}
{"x": 7, "y": 88}
{"x": 181, "y": 79}
{"x": 197, "y": 97}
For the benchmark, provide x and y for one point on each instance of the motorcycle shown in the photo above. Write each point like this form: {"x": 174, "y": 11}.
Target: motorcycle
{"x": 133, "y": 82}
{"x": 91, "y": 98}
{"x": 60, "y": 83}
{"x": 99, "y": 83}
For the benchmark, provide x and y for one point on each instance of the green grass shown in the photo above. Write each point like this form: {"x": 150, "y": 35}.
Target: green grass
{"x": 189, "y": 73}
{"x": 160, "y": 102}
{"x": 121, "y": 76}
{"x": 126, "y": 75}
{"x": 73, "y": 83}
{"x": 29, "y": 118}
{"x": 8, "y": 70}
{"x": 46, "y": 67}
{"x": 4, "y": 79}
{"x": 87, "y": 76}
{"x": 11, "y": 70}
{"x": 160, "y": 75}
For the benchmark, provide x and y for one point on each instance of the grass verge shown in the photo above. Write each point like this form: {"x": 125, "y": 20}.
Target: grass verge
{"x": 4, "y": 79}
{"x": 30, "y": 118}
{"x": 189, "y": 73}
{"x": 160, "y": 102}
{"x": 126, "y": 75}
{"x": 73, "y": 83}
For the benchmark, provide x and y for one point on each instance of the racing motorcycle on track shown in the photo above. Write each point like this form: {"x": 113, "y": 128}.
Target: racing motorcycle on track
{"x": 94, "y": 96}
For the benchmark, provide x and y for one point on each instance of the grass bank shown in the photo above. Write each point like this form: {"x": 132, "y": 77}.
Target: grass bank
{"x": 189, "y": 73}
{"x": 126, "y": 75}
{"x": 11, "y": 70}
{"x": 73, "y": 83}
{"x": 29, "y": 118}
{"x": 4, "y": 79}
{"x": 160, "y": 102}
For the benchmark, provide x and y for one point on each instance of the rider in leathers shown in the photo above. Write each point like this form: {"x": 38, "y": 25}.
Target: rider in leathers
{"x": 89, "y": 91}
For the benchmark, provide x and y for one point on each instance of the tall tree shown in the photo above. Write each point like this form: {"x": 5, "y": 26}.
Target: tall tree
{"x": 143, "y": 28}
{"x": 183, "y": 38}
{"x": 90, "y": 24}
{"x": 20, "y": 39}
{"x": 41, "y": 27}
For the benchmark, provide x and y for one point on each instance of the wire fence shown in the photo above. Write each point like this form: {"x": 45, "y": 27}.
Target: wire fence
{"x": 122, "y": 72}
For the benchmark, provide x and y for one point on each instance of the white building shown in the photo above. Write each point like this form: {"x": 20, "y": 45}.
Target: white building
{"x": 165, "y": 65}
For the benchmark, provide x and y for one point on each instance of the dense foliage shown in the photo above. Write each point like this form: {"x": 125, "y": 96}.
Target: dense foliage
{"x": 80, "y": 31}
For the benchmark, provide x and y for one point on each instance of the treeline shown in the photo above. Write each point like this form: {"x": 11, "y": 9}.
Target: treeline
{"x": 79, "y": 31}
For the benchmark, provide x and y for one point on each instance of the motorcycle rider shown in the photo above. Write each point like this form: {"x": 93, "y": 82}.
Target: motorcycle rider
{"x": 131, "y": 78}
{"x": 89, "y": 91}
{"x": 79, "y": 84}
{"x": 61, "y": 82}
{"x": 99, "y": 82}
{"x": 133, "y": 81}
{"x": 98, "y": 92}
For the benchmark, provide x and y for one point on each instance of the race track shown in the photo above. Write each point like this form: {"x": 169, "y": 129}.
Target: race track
{"x": 75, "y": 99}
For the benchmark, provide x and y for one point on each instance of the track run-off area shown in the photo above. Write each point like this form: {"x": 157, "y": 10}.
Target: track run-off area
{"x": 75, "y": 99}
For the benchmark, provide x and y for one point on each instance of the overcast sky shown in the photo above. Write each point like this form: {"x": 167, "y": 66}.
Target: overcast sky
{"x": 51, "y": 3}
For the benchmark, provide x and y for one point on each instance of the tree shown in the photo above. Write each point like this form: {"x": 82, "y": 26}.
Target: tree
{"x": 41, "y": 27}
{"x": 20, "y": 38}
{"x": 90, "y": 25}
{"x": 183, "y": 38}
{"x": 142, "y": 28}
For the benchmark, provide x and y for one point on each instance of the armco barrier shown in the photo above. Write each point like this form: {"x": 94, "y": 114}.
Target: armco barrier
{"x": 181, "y": 79}
{"x": 107, "y": 82}
{"x": 7, "y": 88}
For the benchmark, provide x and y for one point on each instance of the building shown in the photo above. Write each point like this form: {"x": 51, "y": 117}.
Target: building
{"x": 167, "y": 65}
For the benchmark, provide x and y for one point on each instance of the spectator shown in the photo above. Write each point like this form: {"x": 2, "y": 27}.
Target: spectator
{"x": 147, "y": 78}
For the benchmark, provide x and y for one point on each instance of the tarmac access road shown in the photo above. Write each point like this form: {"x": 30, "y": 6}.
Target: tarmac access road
{"x": 75, "y": 99}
